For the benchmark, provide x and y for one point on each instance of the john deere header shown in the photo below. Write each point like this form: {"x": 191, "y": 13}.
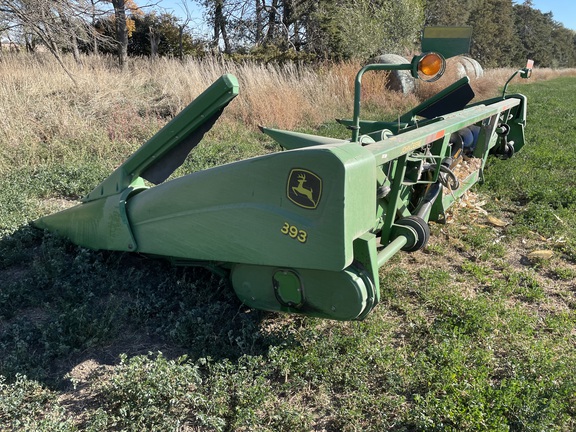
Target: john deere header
{"x": 305, "y": 230}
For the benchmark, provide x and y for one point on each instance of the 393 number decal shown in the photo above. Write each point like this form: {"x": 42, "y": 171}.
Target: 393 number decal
{"x": 294, "y": 232}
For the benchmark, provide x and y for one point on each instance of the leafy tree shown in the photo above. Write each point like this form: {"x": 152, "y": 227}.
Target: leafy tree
{"x": 160, "y": 35}
{"x": 448, "y": 12}
{"x": 329, "y": 29}
{"x": 545, "y": 41}
{"x": 364, "y": 28}
{"x": 503, "y": 33}
{"x": 563, "y": 47}
{"x": 494, "y": 38}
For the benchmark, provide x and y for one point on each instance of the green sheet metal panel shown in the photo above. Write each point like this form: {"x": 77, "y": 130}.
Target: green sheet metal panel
{"x": 256, "y": 211}
{"x": 448, "y": 41}
{"x": 342, "y": 295}
{"x": 170, "y": 145}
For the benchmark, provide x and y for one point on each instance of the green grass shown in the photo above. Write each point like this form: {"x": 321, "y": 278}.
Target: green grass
{"x": 470, "y": 334}
{"x": 540, "y": 179}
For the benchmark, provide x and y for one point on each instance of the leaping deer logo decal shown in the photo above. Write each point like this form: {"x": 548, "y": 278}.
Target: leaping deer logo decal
{"x": 304, "y": 188}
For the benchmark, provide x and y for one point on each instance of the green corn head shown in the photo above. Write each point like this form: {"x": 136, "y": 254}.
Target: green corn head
{"x": 304, "y": 230}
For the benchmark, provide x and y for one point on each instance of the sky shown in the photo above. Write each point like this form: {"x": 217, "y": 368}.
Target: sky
{"x": 563, "y": 11}
{"x": 176, "y": 7}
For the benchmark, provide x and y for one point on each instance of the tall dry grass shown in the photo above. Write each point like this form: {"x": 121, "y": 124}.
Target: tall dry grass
{"x": 45, "y": 117}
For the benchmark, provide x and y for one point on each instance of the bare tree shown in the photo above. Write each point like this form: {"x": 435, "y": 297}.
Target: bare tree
{"x": 94, "y": 16}
{"x": 249, "y": 23}
{"x": 220, "y": 27}
{"x": 154, "y": 36}
{"x": 121, "y": 31}
{"x": 60, "y": 25}
{"x": 57, "y": 23}
{"x": 182, "y": 25}
{"x": 121, "y": 10}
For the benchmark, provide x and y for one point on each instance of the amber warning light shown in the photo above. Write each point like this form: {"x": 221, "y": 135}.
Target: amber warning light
{"x": 430, "y": 67}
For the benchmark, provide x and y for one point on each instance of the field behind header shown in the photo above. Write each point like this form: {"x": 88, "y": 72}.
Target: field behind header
{"x": 475, "y": 332}
{"x": 45, "y": 118}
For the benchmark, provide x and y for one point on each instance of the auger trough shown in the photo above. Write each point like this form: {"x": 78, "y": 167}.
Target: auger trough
{"x": 307, "y": 229}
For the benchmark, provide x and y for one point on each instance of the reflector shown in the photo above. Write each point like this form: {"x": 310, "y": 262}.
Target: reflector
{"x": 527, "y": 71}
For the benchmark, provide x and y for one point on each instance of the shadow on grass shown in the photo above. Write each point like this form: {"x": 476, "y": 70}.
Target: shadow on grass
{"x": 61, "y": 305}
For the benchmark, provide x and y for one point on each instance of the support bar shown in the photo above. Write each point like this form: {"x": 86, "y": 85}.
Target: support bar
{"x": 389, "y": 251}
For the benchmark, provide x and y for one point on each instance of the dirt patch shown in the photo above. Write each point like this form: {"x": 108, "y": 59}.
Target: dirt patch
{"x": 82, "y": 399}
{"x": 545, "y": 286}
{"x": 83, "y": 395}
{"x": 82, "y": 372}
{"x": 52, "y": 205}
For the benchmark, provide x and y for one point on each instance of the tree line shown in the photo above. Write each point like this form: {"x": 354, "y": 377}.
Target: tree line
{"x": 504, "y": 33}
